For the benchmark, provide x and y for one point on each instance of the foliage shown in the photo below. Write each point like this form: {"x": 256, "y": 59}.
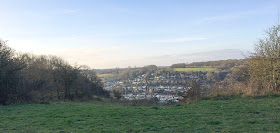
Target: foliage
{"x": 258, "y": 74}
{"x": 202, "y": 69}
{"x": 30, "y": 78}
{"x": 193, "y": 93}
{"x": 264, "y": 65}
{"x": 10, "y": 67}
{"x": 117, "y": 94}
{"x": 222, "y": 64}
{"x": 179, "y": 65}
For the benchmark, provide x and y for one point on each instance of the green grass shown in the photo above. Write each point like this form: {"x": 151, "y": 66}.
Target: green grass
{"x": 224, "y": 115}
{"x": 203, "y": 69}
{"x": 108, "y": 75}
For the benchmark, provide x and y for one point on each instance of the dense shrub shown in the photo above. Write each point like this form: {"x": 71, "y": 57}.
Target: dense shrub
{"x": 30, "y": 78}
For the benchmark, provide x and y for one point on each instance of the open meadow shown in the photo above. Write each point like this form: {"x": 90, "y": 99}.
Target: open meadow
{"x": 209, "y": 115}
{"x": 107, "y": 76}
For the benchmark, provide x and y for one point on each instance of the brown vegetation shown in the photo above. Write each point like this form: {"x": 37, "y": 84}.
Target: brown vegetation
{"x": 257, "y": 75}
{"x": 30, "y": 78}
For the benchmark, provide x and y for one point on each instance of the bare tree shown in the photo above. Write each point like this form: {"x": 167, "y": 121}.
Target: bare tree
{"x": 10, "y": 65}
{"x": 264, "y": 65}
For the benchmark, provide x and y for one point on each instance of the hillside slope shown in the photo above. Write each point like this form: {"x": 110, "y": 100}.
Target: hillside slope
{"x": 212, "y": 115}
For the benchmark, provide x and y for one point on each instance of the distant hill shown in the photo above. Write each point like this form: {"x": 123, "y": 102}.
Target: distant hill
{"x": 224, "y": 54}
{"x": 169, "y": 59}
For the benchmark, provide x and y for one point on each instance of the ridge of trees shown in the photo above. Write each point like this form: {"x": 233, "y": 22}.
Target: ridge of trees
{"x": 222, "y": 64}
{"x": 30, "y": 78}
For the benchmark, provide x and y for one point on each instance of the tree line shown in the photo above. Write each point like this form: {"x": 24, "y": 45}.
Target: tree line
{"x": 258, "y": 74}
{"x": 31, "y": 78}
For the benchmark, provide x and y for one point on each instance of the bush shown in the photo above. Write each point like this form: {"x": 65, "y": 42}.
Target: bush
{"x": 193, "y": 93}
{"x": 30, "y": 78}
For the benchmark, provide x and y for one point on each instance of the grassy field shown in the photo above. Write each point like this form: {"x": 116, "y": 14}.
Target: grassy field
{"x": 228, "y": 115}
{"x": 203, "y": 69}
{"x": 108, "y": 75}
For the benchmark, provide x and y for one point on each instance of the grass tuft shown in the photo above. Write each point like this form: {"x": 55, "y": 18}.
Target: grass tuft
{"x": 237, "y": 114}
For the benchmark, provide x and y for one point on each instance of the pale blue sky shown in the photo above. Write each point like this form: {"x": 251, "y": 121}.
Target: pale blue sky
{"x": 121, "y": 33}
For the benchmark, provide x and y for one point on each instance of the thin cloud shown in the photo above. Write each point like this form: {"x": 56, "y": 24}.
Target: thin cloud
{"x": 70, "y": 11}
{"x": 220, "y": 18}
{"x": 233, "y": 16}
{"x": 180, "y": 40}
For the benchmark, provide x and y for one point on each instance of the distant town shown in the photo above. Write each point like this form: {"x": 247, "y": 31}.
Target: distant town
{"x": 152, "y": 82}
{"x": 158, "y": 86}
